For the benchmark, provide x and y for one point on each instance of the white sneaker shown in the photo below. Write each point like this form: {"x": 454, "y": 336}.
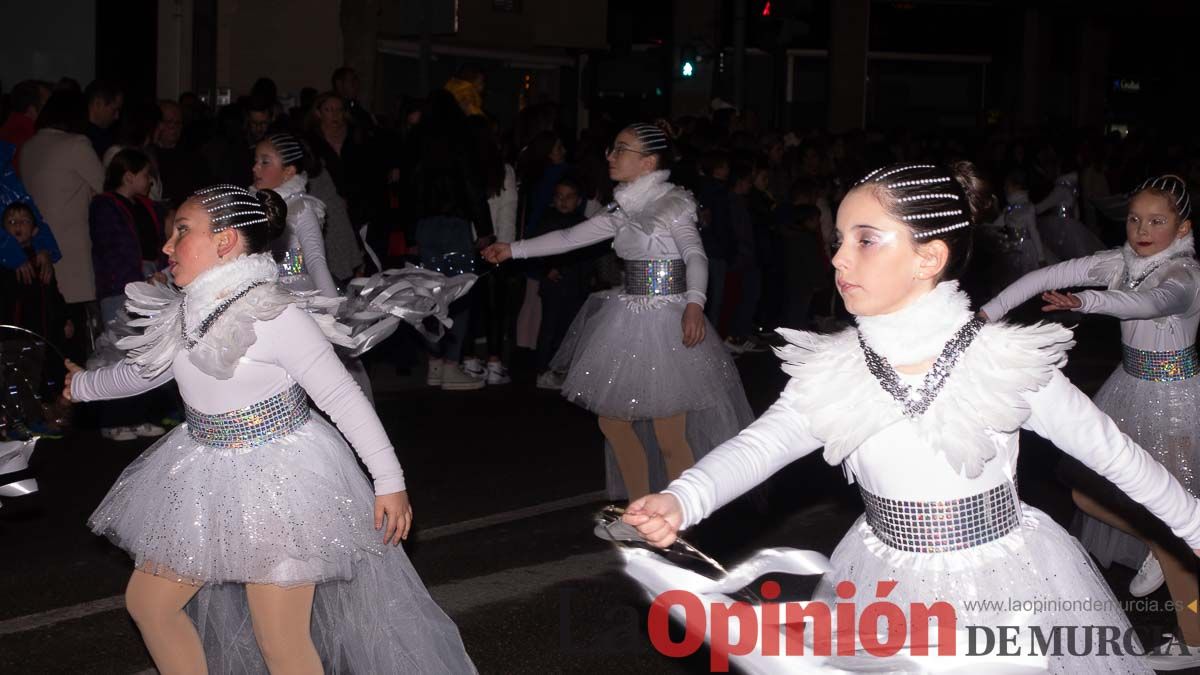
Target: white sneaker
{"x": 497, "y": 373}
{"x": 474, "y": 368}
{"x": 1149, "y": 578}
{"x": 148, "y": 430}
{"x": 433, "y": 377}
{"x": 1176, "y": 656}
{"x": 454, "y": 379}
{"x": 550, "y": 380}
{"x": 118, "y": 434}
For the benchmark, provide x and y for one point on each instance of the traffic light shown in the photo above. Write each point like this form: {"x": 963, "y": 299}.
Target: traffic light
{"x": 688, "y": 58}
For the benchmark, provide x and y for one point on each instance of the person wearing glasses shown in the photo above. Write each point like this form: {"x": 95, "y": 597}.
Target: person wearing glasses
{"x": 644, "y": 358}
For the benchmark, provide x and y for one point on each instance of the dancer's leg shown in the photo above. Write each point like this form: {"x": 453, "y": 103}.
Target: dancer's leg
{"x": 671, "y": 433}
{"x": 1102, "y": 513}
{"x": 631, "y": 456}
{"x": 1181, "y": 581}
{"x": 1180, "y": 573}
{"x": 281, "y": 618}
{"x": 156, "y": 605}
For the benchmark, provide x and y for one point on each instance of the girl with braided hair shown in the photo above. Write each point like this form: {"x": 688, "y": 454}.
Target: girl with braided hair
{"x": 255, "y": 546}
{"x": 282, "y": 163}
{"x": 646, "y": 354}
{"x": 1151, "y": 284}
{"x": 921, "y": 404}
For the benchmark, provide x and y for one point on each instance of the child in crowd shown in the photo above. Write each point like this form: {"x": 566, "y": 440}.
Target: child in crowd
{"x": 27, "y": 397}
{"x": 127, "y": 236}
{"x": 566, "y": 281}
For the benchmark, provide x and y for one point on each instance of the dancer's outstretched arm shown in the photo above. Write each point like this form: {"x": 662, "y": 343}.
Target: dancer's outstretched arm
{"x": 1077, "y": 272}
{"x": 1173, "y": 294}
{"x": 595, "y": 229}
{"x": 120, "y": 380}
{"x": 1068, "y": 418}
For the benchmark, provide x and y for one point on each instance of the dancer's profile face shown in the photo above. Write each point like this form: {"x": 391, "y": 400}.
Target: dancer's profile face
{"x": 269, "y": 171}
{"x": 627, "y": 160}
{"x": 193, "y": 247}
{"x": 879, "y": 268}
{"x": 1152, "y": 223}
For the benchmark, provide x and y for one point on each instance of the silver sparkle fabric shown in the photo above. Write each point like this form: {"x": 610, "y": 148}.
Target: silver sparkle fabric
{"x": 295, "y": 510}
{"x": 945, "y": 525}
{"x": 629, "y": 362}
{"x": 1162, "y": 418}
{"x": 251, "y": 426}
{"x": 655, "y": 277}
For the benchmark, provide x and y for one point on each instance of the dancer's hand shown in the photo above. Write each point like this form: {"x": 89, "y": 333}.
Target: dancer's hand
{"x": 71, "y": 370}
{"x": 983, "y": 316}
{"x": 693, "y": 325}
{"x": 657, "y": 518}
{"x": 497, "y": 253}
{"x": 398, "y": 514}
{"x": 1060, "y": 301}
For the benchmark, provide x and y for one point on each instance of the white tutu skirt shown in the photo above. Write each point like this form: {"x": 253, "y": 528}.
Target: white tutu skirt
{"x": 1036, "y": 582}
{"x": 624, "y": 358}
{"x": 1038, "y": 564}
{"x": 296, "y": 510}
{"x": 1161, "y": 417}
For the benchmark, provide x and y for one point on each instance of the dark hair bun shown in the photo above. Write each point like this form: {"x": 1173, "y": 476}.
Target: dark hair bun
{"x": 276, "y": 210}
{"x": 974, "y": 188}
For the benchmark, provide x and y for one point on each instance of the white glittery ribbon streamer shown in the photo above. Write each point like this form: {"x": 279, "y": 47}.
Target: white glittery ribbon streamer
{"x": 411, "y": 294}
{"x": 14, "y": 457}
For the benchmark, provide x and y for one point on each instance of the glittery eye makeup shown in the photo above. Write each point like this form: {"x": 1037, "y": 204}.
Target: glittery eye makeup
{"x": 866, "y": 236}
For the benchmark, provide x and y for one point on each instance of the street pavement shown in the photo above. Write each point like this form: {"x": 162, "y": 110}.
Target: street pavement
{"x": 504, "y": 483}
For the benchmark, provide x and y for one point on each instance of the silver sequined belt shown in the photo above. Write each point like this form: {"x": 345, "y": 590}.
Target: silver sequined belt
{"x": 948, "y": 525}
{"x": 1160, "y": 366}
{"x": 655, "y": 277}
{"x": 292, "y": 263}
{"x": 251, "y": 426}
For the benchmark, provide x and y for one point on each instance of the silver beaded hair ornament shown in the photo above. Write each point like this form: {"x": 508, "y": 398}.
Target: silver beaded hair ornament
{"x": 652, "y": 138}
{"x": 1175, "y": 188}
{"x": 289, "y": 148}
{"x": 927, "y": 197}
{"x": 230, "y": 206}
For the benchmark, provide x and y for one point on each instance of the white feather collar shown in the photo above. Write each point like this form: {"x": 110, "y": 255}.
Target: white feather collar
{"x": 1137, "y": 266}
{"x": 919, "y": 331}
{"x": 217, "y": 353}
{"x": 637, "y": 194}
{"x": 984, "y": 393}
{"x": 213, "y": 285}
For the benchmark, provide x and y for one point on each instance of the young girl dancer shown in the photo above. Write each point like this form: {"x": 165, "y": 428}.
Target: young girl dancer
{"x": 646, "y": 353}
{"x": 281, "y": 163}
{"x": 254, "y": 515}
{"x": 922, "y": 404}
{"x": 1151, "y": 285}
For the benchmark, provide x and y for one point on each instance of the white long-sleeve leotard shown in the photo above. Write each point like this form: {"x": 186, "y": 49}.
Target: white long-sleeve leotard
{"x": 304, "y": 233}
{"x": 655, "y": 221}
{"x": 288, "y": 349}
{"x": 965, "y": 444}
{"x": 1161, "y": 314}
